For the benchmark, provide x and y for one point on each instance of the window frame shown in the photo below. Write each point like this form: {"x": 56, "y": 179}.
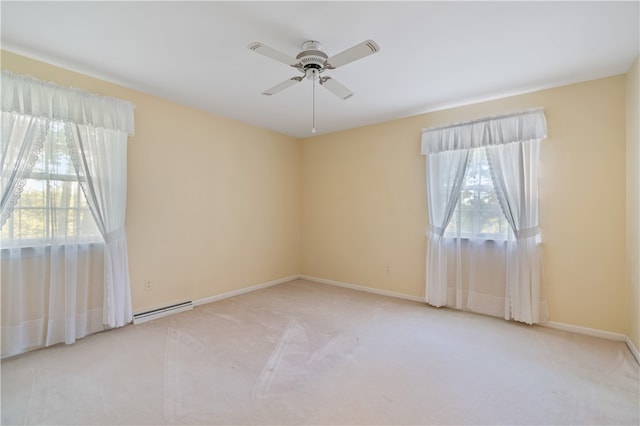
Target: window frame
{"x": 482, "y": 183}
{"x": 78, "y": 205}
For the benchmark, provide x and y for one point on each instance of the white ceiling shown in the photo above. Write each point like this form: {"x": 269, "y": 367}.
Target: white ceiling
{"x": 432, "y": 54}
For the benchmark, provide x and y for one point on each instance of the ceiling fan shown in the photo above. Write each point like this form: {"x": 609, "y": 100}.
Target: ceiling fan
{"x": 312, "y": 62}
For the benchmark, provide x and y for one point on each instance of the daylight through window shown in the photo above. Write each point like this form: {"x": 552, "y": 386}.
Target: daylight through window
{"x": 478, "y": 214}
{"x": 52, "y": 207}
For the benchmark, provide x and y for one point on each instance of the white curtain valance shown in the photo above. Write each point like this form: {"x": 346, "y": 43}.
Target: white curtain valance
{"x": 27, "y": 95}
{"x": 519, "y": 127}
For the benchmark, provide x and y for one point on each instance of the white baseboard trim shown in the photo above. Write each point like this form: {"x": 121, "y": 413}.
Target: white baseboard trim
{"x": 362, "y": 288}
{"x": 244, "y": 290}
{"x": 617, "y": 337}
{"x": 632, "y": 348}
{"x": 585, "y": 330}
{"x": 550, "y": 324}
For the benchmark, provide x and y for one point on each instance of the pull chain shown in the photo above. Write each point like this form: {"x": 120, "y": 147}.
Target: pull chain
{"x": 313, "y": 107}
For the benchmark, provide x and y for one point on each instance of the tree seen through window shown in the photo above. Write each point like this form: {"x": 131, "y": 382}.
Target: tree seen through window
{"x": 52, "y": 206}
{"x": 478, "y": 214}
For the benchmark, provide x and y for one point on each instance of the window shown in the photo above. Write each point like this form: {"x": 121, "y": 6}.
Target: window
{"x": 462, "y": 202}
{"x": 52, "y": 207}
{"x": 478, "y": 214}
{"x": 63, "y": 181}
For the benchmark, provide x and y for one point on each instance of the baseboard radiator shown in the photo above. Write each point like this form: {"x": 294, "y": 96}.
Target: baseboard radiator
{"x": 162, "y": 312}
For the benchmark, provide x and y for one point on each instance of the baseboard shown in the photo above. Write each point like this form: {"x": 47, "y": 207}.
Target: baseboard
{"x": 362, "y": 288}
{"x": 617, "y": 337}
{"x": 632, "y": 348}
{"x": 244, "y": 290}
{"x": 550, "y": 324}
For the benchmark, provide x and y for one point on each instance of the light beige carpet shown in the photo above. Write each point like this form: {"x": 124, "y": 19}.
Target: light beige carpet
{"x": 308, "y": 353}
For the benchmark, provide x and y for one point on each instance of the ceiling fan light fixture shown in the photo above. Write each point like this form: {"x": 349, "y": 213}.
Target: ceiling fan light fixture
{"x": 312, "y": 73}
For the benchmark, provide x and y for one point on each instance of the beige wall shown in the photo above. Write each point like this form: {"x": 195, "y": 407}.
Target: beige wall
{"x": 364, "y": 203}
{"x": 633, "y": 199}
{"x": 364, "y": 207}
{"x": 213, "y": 205}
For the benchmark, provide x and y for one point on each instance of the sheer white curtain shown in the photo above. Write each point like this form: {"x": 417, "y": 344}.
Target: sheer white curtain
{"x": 22, "y": 139}
{"x": 479, "y": 274}
{"x": 63, "y": 258}
{"x": 445, "y": 173}
{"x": 514, "y": 170}
{"x": 100, "y": 160}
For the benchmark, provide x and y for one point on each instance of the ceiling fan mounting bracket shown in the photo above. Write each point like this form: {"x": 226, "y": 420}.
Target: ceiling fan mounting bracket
{"x": 311, "y": 45}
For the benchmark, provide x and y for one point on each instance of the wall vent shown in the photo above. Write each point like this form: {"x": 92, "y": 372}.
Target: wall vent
{"x": 162, "y": 312}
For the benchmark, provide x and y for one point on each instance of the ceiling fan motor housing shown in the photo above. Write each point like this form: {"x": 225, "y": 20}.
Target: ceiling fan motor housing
{"x": 312, "y": 57}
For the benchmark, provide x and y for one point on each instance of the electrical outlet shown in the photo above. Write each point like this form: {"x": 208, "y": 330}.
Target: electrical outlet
{"x": 387, "y": 268}
{"x": 147, "y": 285}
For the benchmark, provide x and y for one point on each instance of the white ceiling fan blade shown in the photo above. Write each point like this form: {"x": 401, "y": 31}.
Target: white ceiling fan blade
{"x": 354, "y": 53}
{"x": 336, "y": 88}
{"x": 279, "y": 87}
{"x": 272, "y": 53}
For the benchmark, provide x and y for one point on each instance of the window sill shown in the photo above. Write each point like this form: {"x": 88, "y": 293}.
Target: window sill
{"x": 468, "y": 240}
{"x": 38, "y": 250}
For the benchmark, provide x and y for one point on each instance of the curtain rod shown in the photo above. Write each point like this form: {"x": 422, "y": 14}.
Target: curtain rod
{"x": 480, "y": 120}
